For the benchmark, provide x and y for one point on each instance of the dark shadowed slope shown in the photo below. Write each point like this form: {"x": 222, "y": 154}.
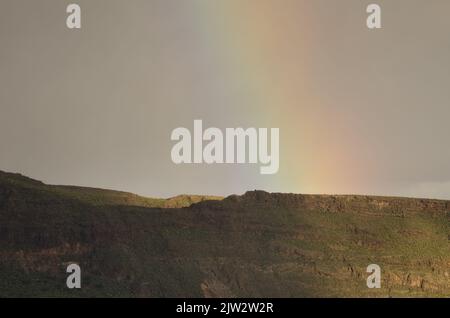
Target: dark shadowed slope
{"x": 255, "y": 245}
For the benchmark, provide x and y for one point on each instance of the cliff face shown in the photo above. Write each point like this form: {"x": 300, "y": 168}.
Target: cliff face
{"x": 255, "y": 245}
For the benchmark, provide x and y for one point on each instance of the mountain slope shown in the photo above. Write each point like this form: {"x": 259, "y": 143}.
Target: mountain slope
{"x": 255, "y": 245}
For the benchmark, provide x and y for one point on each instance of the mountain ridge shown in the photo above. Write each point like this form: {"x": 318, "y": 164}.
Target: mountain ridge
{"x": 106, "y": 196}
{"x": 253, "y": 195}
{"x": 258, "y": 244}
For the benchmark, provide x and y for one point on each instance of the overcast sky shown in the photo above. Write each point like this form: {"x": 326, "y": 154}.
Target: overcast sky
{"x": 359, "y": 111}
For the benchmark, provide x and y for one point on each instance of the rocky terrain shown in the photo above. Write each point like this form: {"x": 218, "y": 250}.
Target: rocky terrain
{"x": 255, "y": 245}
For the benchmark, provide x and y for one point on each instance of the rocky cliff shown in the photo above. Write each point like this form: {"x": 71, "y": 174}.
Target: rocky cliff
{"x": 255, "y": 245}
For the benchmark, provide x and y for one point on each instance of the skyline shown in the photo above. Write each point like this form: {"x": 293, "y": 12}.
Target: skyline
{"x": 359, "y": 111}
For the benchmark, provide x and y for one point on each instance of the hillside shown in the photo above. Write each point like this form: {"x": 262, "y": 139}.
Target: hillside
{"x": 255, "y": 245}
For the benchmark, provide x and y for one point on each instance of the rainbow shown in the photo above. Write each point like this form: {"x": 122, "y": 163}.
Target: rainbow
{"x": 253, "y": 40}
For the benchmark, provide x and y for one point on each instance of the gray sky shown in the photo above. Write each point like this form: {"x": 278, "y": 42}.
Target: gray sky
{"x": 359, "y": 111}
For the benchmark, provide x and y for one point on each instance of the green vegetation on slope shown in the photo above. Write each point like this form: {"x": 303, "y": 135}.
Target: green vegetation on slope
{"x": 255, "y": 245}
{"x": 100, "y": 197}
